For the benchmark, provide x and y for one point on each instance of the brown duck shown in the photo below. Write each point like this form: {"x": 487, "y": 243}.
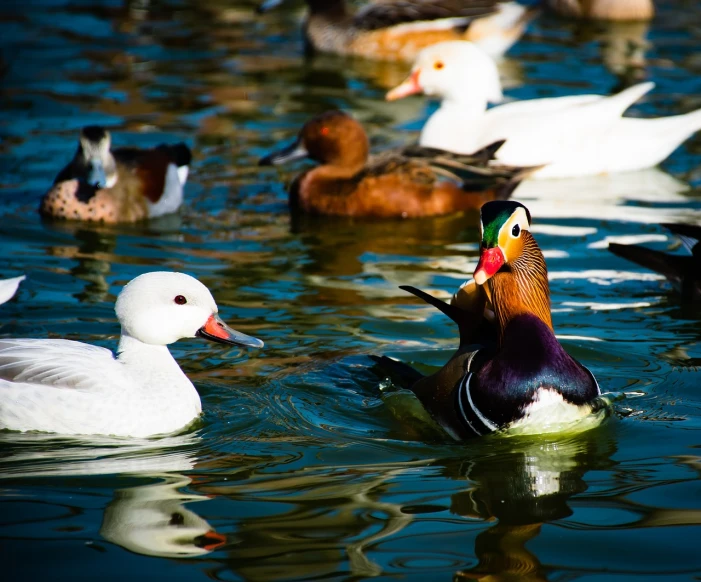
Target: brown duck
{"x": 399, "y": 29}
{"x": 408, "y": 183}
{"x": 121, "y": 185}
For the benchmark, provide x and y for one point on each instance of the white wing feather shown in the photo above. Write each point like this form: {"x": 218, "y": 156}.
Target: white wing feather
{"x": 58, "y": 364}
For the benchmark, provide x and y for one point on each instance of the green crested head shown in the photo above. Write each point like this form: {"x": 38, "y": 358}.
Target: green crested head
{"x": 493, "y": 216}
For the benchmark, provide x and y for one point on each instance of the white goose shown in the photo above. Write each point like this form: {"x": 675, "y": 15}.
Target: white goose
{"x": 69, "y": 387}
{"x": 571, "y": 136}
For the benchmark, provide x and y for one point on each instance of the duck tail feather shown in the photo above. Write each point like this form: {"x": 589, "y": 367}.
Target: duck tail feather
{"x": 400, "y": 373}
{"x": 506, "y": 189}
{"x": 623, "y": 100}
{"x": 488, "y": 152}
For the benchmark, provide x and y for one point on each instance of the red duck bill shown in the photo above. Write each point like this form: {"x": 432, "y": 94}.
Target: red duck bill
{"x": 490, "y": 262}
{"x": 217, "y": 331}
{"x": 409, "y": 87}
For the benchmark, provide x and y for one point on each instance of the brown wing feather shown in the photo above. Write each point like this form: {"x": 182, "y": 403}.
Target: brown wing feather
{"x": 147, "y": 167}
{"x": 391, "y": 13}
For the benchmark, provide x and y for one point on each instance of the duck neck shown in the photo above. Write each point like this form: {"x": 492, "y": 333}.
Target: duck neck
{"x": 521, "y": 288}
{"x": 149, "y": 360}
{"x": 469, "y": 102}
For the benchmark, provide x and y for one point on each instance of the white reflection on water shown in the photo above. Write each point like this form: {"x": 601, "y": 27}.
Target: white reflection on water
{"x": 36, "y": 454}
{"x": 602, "y": 197}
{"x": 152, "y": 520}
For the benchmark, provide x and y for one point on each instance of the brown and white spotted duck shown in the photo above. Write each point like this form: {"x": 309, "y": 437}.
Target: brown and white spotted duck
{"x": 510, "y": 371}
{"x": 399, "y": 29}
{"x": 101, "y": 184}
{"x": 407, "y": 183}
{"x": 682, "y": 271}
{"x": 620, "y": 10}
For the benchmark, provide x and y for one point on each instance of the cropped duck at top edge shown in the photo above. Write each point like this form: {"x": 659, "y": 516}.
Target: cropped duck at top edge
{"x": 68, "y": 387}
{"x": 682, "y": 271}
{"x": 405, "y": 183}
{"x": 570, "y": 136}
{"x": 398, "y": 30}
{"x": 101, "y": 184}
{"x": 620, "y": 10}
{"x": 509, "y": 372}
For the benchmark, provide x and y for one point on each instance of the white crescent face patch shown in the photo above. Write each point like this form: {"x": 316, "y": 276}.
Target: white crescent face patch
{"x": 512, "y": 229}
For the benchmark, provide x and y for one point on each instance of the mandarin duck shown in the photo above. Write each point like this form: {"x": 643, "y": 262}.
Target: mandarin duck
{"x": 509, "y": 372}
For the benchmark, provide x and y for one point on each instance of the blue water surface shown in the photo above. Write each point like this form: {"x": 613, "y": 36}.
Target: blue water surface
{"x": 300, "y": 469}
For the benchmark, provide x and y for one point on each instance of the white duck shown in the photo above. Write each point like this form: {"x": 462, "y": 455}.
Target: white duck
{"x": 571, "y": 136}
{"x": 69, "y": 387}
{"x": 8, "y": 288}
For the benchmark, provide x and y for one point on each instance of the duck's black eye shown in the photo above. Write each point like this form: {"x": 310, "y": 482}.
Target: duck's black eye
{"x": 180, "y": 299}
{"x": 516, "y": 230}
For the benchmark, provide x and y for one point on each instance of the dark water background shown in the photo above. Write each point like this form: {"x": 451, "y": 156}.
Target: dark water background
{"x": 300, "y": 467}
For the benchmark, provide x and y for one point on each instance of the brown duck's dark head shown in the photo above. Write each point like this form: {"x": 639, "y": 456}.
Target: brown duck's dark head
{"x": 332, "y": 138}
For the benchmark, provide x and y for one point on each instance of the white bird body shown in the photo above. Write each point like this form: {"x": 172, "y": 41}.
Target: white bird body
{"x": 8, "y": 288}
{"x": 69, "y": 387}
{"x": 570, "y": 136}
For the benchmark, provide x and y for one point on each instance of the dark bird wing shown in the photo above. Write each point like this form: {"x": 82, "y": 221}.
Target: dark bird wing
{"x": 473, "y": 170}
{"x": 384, "y": 14}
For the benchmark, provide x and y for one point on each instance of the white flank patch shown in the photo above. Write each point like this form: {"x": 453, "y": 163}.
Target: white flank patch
{"x": 548, "y": 412}
{"x": 172, "y": 196}
{"x": 182, "y": 174}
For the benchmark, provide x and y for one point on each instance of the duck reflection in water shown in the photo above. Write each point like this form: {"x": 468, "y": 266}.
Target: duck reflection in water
{"x": 527, "y": 486}
{"x": 152, "y": 520}
{"x": 336, "y": 520}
